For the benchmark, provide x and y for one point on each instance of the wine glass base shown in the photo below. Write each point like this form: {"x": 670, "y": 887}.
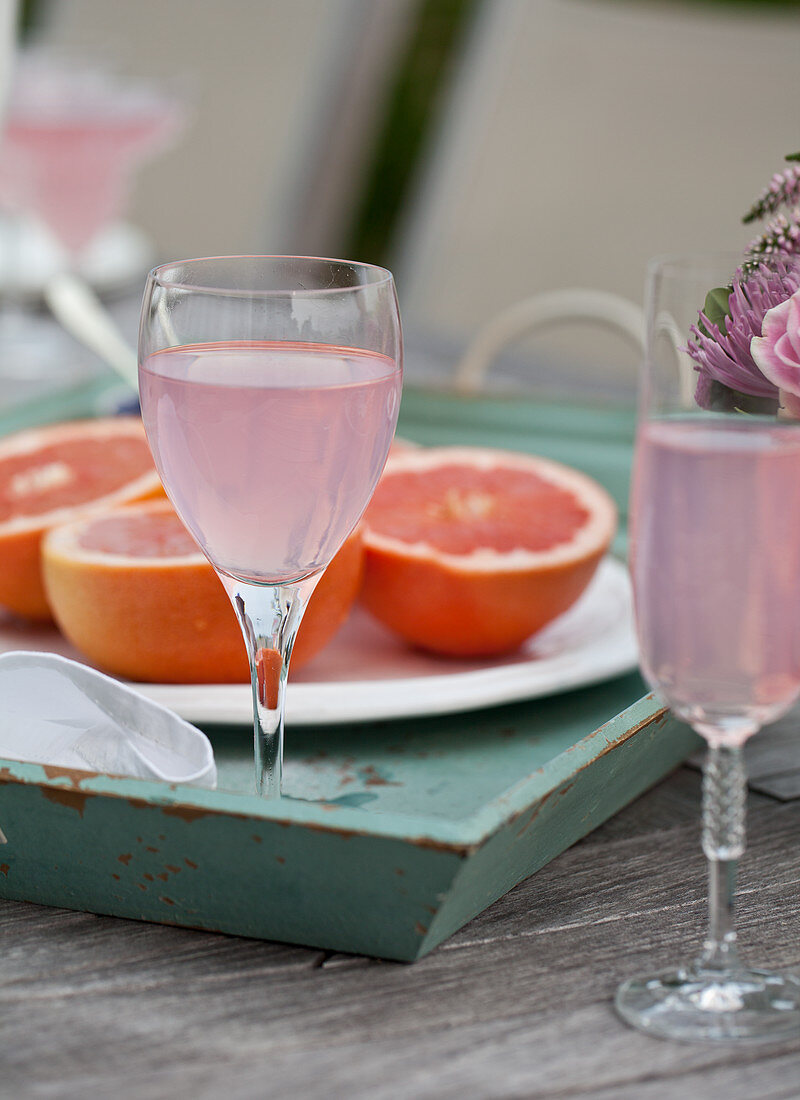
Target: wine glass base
{"x": 692, "y": 1004}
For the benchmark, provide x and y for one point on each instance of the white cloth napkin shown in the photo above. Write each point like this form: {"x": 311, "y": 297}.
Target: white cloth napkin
{"x": 59, "y": 712}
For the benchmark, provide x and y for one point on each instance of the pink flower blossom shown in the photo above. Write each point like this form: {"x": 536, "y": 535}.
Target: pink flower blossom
{"x": 723, "y": 352}
{"x": 776, "y": 352}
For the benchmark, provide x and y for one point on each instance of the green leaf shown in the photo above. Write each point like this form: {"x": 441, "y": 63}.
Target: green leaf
{"x": 792, "y": 156}
{"x": 716, "y": 307}
{"x": 722, "y": 398}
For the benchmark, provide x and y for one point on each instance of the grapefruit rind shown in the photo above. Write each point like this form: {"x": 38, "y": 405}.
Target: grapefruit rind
{"x": 33, "y": 440}
{"x": 21, "y": 585}
{"x": 152, "y": 619}
{"x": 599, "y": 531}
{"x": 485, "y": 602}
{"x": 167, "y": 619}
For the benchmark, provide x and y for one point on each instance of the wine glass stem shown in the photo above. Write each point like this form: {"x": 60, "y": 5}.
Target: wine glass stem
{"x": 724, "y": 802}
{"x": 269, "y": 616}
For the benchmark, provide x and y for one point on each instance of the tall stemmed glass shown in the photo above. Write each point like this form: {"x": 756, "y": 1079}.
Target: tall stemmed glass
{"x": 269, "y": 388}
{"x": 715, "y": 563}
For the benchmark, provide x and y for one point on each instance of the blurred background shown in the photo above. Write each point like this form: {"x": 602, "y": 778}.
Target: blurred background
{"x": 485, "y": 150}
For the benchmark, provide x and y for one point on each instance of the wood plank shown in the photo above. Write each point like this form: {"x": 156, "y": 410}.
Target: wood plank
{"x": 518, "y": 1003}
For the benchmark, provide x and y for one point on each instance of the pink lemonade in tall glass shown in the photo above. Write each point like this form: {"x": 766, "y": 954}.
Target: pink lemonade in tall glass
{"x": 715, "y": 560}
{"x": 270, "y": 451}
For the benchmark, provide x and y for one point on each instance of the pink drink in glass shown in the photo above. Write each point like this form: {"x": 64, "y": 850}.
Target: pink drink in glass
{"x": 74, "y": 135}
{"x": 74, "y": 173}
{"x": 715, "y": 560}
{"x": 271, "y": 451}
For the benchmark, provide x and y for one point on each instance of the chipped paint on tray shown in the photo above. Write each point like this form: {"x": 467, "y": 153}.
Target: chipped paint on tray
{"x": 74, "y": 799}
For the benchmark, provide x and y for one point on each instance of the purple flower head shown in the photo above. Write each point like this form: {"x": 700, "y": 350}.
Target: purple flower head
{"x": 721, "y": 349}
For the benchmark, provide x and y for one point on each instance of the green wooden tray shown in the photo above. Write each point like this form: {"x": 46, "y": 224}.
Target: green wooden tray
{"x": 392, "y": 837}
{"x": 393, "y": 834}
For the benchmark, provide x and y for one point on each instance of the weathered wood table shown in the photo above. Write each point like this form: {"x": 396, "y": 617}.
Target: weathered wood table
{"x": 517, "y": 1004}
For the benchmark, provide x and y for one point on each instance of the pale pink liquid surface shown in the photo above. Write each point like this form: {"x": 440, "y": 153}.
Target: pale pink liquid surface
{"x": 269, "y": 452}
{"x": 715, "y": 560}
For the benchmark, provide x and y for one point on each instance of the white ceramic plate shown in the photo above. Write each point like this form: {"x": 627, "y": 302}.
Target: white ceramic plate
{"x": 368, "y": 674}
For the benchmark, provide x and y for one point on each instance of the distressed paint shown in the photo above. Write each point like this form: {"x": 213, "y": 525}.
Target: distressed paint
{"x": 357, "y": 879}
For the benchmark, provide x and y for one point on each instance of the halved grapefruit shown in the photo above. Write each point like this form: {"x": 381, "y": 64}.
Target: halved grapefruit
{"x": 130, "y": 589}
{"x": 469, "y": 550}
{"x": 53, "y": 474}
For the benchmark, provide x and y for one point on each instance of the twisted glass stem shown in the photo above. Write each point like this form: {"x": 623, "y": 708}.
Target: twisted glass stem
{"x": 724, "y": 806}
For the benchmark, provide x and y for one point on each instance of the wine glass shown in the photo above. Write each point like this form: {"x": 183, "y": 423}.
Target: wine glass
{"x": 715, "y": 564}
{"x": 269, "y": 388}
{"x": 73, "y": 138}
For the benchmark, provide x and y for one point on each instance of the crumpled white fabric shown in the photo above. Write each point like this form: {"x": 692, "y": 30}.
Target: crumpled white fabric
{"x": 59, "y": 712}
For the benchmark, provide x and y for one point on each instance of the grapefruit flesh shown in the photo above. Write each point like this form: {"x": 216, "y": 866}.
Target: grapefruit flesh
{"x": 132, "y": 592}
{"x": 470, "y": 551}
{"x": 53, "y": 474}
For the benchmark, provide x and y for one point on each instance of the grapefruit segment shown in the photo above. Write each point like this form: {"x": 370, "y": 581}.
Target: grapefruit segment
{"x": 132, "y": 592}
{"x": 53, "y": 474}
{"x": 470, "y": 550}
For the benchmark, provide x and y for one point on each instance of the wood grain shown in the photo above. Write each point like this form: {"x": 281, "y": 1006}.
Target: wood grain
{"x": 517, "y": 1004}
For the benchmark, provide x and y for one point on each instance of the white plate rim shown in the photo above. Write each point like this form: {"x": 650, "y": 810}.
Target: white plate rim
{"x": 506, "y": 680}
{"x": 593, "y": 642}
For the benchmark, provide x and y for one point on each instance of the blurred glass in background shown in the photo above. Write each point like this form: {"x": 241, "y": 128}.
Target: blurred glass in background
{"x": 74, "y": 134}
